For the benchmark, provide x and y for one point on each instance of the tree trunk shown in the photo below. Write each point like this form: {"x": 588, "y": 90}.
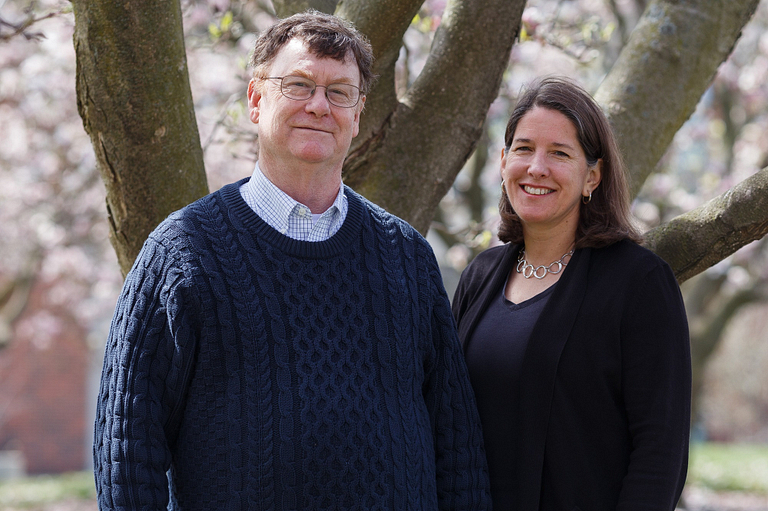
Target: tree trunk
{"x": 134, "y": 98}
{"x": 415, "y": 147}
{"x": 662, "y": 72}
{"x": 284, "y": 8}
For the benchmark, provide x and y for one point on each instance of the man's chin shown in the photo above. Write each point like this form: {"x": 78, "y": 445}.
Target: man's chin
{"x": 313, "y": 152}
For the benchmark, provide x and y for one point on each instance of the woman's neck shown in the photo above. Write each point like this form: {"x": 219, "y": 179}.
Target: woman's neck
{"x": 545, "y": 249}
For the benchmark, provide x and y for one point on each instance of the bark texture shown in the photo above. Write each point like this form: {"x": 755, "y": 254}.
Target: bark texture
{"x": 696, "y": 240}
{"x": 410, "y": 150}
{"x": 662, "y": 72}
{"x": 134, "y": 98}
{"x": 284, "y": 8}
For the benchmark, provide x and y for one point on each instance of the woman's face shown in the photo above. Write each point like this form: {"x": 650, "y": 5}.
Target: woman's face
{"x": 545, "y": 172}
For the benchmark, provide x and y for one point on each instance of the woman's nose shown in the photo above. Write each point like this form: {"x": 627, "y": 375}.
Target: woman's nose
{"x": 538, "y": 165}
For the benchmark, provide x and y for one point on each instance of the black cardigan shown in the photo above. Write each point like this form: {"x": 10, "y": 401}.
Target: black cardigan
{"x": 605, "y": 384}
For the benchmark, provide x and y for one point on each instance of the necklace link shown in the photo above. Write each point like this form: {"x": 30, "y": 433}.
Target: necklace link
{"x": 528, "y": 270}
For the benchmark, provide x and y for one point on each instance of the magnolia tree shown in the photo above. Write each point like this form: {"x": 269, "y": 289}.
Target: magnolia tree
{"x": 51, "y": 200}
{"x": 165, "y": 112}
{"x": 448, "y": 71}
{"x": 135, "y": 100}
{"x": 723, "y": 144}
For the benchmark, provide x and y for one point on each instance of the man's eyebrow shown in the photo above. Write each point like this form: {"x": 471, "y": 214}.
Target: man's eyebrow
{"x": 311, "y": 76}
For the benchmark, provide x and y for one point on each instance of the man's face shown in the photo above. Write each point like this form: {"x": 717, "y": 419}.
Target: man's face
{"x": 313, "y": 131}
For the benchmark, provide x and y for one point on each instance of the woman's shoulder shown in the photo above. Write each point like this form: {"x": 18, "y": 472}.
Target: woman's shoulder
{"x": 488, "y": 259}
{"x": 630, "y": 257}
{"x": 627, "y": 249}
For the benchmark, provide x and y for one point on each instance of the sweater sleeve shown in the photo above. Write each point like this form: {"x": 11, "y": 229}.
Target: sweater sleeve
{"x": 656, "y": 387}
{"x": 462, "y": 473}
{"x": 142, "y": 385}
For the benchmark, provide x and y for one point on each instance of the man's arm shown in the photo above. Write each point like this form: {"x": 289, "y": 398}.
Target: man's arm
{"x": 462, "y": 473}
{"x": 142, "y": 379}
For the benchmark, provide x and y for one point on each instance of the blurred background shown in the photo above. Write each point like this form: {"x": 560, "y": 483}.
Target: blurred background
{"x": 59, "y": 277}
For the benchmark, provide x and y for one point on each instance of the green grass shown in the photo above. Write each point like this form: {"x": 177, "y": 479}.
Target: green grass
{"x": 729, "y": 467}
{"x": 718, "y": 467}
{"x": 35, "y": 491}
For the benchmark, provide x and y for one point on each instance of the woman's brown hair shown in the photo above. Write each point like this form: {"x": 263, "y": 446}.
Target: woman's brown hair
{"x": 606, "y": 218}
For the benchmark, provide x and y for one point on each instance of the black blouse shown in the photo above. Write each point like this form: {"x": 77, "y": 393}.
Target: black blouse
{"x": 494, "y": 357}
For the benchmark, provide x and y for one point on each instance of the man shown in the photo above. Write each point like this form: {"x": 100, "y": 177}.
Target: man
{"x": 283, "y": 343}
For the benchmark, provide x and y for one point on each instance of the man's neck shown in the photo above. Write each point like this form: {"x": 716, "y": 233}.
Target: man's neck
{"x": 316, "y": 188}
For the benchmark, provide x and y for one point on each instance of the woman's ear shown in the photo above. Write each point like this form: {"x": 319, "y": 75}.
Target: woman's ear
{"x": 594, "y": 176}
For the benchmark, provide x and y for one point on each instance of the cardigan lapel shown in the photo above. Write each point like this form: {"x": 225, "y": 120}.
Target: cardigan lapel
{"x": 487, "y": 290}
{"x": 539, "y": 370}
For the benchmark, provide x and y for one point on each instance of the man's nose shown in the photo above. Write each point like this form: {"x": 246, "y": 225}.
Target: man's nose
{"x": 318, "y": 103}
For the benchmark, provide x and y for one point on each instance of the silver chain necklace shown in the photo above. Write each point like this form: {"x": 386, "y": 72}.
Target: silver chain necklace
{"x": 528, "y": 270}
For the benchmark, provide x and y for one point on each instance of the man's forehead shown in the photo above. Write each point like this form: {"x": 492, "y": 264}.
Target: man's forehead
{"x": 296, "y": 57}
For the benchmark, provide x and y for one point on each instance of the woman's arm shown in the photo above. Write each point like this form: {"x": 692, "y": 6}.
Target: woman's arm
{"x": 656, "y": 386}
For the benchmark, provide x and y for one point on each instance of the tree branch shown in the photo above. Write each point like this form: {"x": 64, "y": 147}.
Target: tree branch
{"x": 414, "y": 158}
{"x": 14, "y": 296}
{"x": 665, "y": 68}
{"x": 9, "y": 30}
{"x": 701, "y": 292}
{"x": 384, "y": 23}
{"x": 694, "y": 241}
{"x": 707, "y": 332}
{"x": 285, "y": 8}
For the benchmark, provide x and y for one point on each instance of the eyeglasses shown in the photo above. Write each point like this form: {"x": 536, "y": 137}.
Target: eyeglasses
{"x": 299, "y": 88}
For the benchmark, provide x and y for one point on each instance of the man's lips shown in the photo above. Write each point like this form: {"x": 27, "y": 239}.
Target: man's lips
{"x": 312, "y": 128}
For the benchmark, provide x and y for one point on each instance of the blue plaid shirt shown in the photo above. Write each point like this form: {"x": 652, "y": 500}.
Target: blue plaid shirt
{"x": 291, "y": 217}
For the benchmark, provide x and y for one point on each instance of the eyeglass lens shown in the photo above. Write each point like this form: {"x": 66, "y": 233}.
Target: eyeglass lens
{"x": 300, "y": 88}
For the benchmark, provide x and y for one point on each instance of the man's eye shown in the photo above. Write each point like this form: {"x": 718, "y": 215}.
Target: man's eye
{"x": 339, "y": 92}
{"x": 298, "y": 84}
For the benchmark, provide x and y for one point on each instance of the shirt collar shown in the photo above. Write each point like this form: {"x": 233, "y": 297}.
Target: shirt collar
{"x": 275, "y": 206}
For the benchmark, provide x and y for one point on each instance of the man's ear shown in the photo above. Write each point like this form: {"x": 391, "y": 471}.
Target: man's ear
{"x": 254, "y": 98}
{"x": 358, "y": 110}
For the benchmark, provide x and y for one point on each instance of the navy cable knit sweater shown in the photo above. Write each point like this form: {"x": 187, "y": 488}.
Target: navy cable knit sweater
{"x": 254, "y": 371}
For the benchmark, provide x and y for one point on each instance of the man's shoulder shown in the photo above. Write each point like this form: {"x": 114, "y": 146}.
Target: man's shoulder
{"x": 182, "y": 229}
{"x": 210, "y": 207}
{"x": 382, "y": 218}
{"x": 217, "y": 199}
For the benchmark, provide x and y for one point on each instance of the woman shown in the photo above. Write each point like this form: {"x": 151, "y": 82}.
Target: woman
{"x": 575, "y": 336}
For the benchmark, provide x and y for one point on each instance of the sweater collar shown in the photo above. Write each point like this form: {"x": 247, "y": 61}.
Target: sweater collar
{"x": 243, "y": 216}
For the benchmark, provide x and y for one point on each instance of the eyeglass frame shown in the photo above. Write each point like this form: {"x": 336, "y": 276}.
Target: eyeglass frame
{"x": 312, "y": 93}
